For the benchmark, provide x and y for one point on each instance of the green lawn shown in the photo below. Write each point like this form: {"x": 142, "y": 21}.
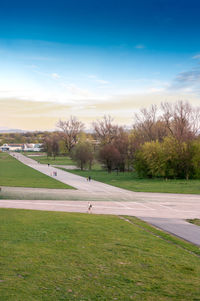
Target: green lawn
{"x": 61, "y": 160}
{"x": 14, "y": 173}
{"x": 63, "y": 256}
{"x": 130, "y": 181}
{"x": 194, "y": 221}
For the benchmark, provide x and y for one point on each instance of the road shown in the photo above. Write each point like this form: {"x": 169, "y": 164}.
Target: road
{"x": 165, "y": 211}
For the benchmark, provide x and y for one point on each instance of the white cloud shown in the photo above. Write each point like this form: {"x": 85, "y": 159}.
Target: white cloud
{"x": 98, "y": 80}
{"x": 92, "y": 76}
{"x": 55, "y": 75}
{"x": 155, "y": 90}
{"x": 32, "y": 66}
{"x": 75, "y": 90}
{"x": 196, "y": 57}
{"x": 187, "y": 81}
{"x": 102, "y": 82}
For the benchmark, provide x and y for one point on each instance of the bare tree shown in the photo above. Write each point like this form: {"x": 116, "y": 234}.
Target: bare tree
{"x": 47, "y": 146}
{"x": 69, "y": 131}
{"x": 110, "y": 156}
{"x": 55, "y": 145}
{"x": 121, "y": 142}
{"x": 181, "y": 120}
{"x": 105, "y": 130}
{"x": 51, "y": 145}
{"x": 147, "y": 124}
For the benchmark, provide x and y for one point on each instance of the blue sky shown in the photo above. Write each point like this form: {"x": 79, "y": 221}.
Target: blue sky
{"x": 90, "y": 58}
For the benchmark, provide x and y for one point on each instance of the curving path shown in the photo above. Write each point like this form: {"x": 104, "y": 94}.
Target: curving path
{"x": 165, "y": 211}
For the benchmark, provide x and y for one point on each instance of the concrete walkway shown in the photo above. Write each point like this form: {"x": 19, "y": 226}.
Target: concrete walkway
{"x": 165, "y": 211}
{"x": 78, "y": 182}
{"x": 155, "y": 213}
{"x": 66, "y": 166}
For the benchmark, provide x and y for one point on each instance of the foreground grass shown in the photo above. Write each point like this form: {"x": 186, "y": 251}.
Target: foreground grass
{"x": 14, "y": 173}
{"x": 164, "y": 235}
{"x": 60, "y": 160}
{"x": 130, "y": 181}
{"x": 61, "y": 256}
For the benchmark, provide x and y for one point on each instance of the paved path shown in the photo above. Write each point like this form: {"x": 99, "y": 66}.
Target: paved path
{"x": 68, "y": 178}
{"x": 164, "y": 215}
{"x": 66, "y": 166}
{"x": 166, "y": 211}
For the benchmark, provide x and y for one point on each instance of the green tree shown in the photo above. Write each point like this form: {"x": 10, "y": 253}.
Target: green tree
{"x": 196, "y": 158}
{"x": 82, "y": 154}
{"x": 169, "y": 159}
{"x": 150, "y": 160}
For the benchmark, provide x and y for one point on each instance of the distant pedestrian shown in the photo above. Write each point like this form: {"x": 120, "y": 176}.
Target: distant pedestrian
{"x": 89, "y": 178}
{"x": 48, "y": 164}
{"x": 89, "y": 207}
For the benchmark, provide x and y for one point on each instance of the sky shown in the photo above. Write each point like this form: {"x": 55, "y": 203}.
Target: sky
{"x": 89, "y": 58}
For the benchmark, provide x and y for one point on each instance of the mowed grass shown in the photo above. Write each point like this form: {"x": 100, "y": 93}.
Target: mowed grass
{"x": 194, "y": 221}
{"x": 63, "y": 256}
{"x": 130, "y": 181}
{"x": 60, "y": 160}
{"x": 15, "y": 173}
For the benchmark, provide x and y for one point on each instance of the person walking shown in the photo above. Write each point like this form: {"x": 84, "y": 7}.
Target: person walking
{"x": 89, "y": 207}
{"x": 89, "y": 178}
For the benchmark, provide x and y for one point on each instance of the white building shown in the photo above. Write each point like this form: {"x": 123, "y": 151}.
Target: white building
{"x": 11, "y": 147}
{"x": 32, "y": 147}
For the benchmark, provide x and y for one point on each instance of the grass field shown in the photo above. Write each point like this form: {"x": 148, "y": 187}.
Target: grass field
{"x": 60, "y": 160}
{"x": 14, "y": 173}
{"x": 63, "y": 256}
{"x": 130, "y": 181}
{"x": 195, "y": 221}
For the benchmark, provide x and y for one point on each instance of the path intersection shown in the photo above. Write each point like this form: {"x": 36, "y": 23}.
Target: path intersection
{"x": 165, "y": 211}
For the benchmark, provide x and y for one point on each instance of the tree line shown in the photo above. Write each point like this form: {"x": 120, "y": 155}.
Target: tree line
{"x": 163, "y": 142}
{"x": 24, "y": 137}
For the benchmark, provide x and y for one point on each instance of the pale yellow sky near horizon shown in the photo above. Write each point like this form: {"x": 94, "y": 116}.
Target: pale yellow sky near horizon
{"x": 43, "y": 115}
